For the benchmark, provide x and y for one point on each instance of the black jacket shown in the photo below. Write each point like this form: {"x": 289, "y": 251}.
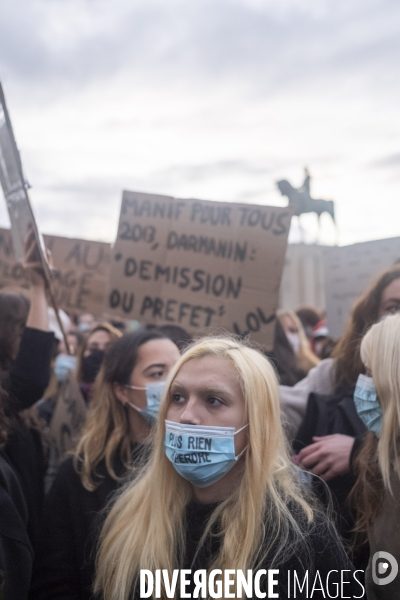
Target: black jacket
{"x": 72, "y": 519}
{"x": 326, "y": 555}
{"x": 327, "y": 415}
{"x": 25, "y": 384}
{"x": 16, "y": 554}
{"x": 30, "y": 374}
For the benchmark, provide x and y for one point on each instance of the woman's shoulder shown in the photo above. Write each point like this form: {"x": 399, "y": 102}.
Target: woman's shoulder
{"x": 68, "y": 478}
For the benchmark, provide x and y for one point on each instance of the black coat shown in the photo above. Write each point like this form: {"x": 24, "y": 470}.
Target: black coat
{"x": 72, "y": 518}
{"x": 326, "y": 554}
{"x": 25, "y": 384}
{"x": 16, "y": 554}
{"x": 327, "y": 415}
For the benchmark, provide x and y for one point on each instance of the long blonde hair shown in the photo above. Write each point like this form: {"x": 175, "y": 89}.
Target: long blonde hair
{"x": 380, "y": 352}
{"x": 146, "y": 527}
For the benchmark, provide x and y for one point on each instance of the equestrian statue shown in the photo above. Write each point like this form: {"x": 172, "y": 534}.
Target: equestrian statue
{"x": 301, "y": 200}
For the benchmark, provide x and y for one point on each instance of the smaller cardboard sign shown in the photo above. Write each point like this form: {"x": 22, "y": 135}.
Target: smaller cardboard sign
{"x": 349, "y": 271}
{"x": 201, "y": 265}
{"x": 79, "y": 285}
{"x": 68, "y": 418}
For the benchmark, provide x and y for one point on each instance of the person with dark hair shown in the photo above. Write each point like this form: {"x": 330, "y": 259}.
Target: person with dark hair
{"x": 309, "y": 316}
{"x": 27, "y": 347}
{"x": 91, "y": 355}
{"x": 177, "y": 334}
{"x": 338, "y": 374}
{"x": 25, "y": 354}
{"x": 331, "y": 432}
{"x": 114, "y": 438}
{"x": 16, "y": 554}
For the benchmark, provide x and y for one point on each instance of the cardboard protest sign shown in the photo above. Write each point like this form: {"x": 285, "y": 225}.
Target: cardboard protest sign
{"x": 349, "y": 270}
{"x": 198, "y": 264}
{"x": 68, "y": 418}
{"x": 15, "y": 190}
{"x": 80, "y": 282}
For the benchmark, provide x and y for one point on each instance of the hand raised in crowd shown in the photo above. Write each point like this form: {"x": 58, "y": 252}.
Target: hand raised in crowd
{"x": 328, "y": 456}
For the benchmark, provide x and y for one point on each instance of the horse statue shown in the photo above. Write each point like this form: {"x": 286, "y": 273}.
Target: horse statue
{"x": 301, "y": 200}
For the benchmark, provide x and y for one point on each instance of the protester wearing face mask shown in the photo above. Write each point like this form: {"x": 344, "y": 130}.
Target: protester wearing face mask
{"x": 64, "y": 362}
{"x": 86, "y": 322}
{"x": 219, "y": 490}
{"x": 73, "y": 380}
{"x": 332, "y": 432}
{"x": 376, "y": 494}
{"x": 122, "y": 411}
{"x": 91, "y": 355}
{"x": 340, "y": 372}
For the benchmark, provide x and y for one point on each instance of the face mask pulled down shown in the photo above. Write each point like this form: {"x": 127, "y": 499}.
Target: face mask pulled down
{"x": 201, "y": 454}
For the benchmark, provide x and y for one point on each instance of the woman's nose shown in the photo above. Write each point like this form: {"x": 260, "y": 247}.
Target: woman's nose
{"x": 190, "y": 413}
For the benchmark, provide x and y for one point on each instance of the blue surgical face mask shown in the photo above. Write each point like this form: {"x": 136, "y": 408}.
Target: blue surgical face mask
{"x": 154, "y": 392}
{"x": 200, "y": 454}
{"x": 63, "y": 364}
{"x": 368, "y": 408}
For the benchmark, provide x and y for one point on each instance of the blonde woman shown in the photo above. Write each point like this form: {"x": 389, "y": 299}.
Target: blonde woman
{"x": 121, "y": 413}
{"x": 306, "y": 359}
{"x": 219, "y": 490}
{"x": 377, "y": 491}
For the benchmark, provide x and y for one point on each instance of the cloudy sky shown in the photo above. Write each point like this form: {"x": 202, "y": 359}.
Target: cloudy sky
{"x": 210, "y": 99}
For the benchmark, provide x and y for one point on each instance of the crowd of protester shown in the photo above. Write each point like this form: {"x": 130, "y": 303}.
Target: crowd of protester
{"x": 305, "y": 474}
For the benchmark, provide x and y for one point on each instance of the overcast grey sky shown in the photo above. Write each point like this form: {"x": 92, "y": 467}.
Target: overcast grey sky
{"x": 211, "y": 99}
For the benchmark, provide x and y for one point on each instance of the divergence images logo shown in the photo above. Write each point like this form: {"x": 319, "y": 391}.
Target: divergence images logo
{"x": 385, "y": 564}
